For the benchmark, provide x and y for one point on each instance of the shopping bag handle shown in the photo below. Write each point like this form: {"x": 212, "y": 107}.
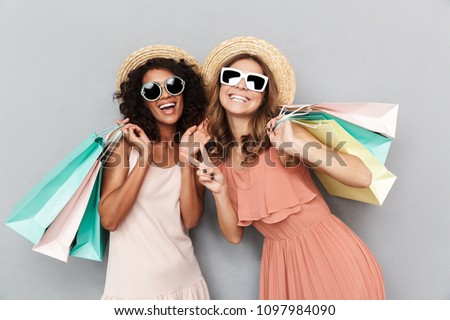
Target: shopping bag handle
{"x": 299, "y": 110}
{"x": 110, "y": 144}
{"x": 107, "y": 131}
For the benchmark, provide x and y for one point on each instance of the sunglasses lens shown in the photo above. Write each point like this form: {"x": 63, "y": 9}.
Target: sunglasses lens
{"x": 258, "y": 82}
{"x": 174, "y": 86}
{"x": 231, "y": 77}
{"x": 151, "y": 91}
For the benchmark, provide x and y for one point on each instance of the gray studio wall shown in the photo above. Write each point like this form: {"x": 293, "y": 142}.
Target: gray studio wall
{"x": 58, "y": 62}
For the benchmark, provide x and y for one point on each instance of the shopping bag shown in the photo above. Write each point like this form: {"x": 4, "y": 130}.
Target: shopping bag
{"x": 39, "y": 207}
{"x": 377, "y": 117}
{"x": 332, "y": 134}
{"x": 34, "y": 213}
{"x": 376, "y": 143}
{"x": 92, "y": 238}
{"x": 57, "y": 239}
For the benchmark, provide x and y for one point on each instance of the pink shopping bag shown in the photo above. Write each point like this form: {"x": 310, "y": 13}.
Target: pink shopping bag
{"x": 377, "y": 117}
{"x": 57, "y": 239}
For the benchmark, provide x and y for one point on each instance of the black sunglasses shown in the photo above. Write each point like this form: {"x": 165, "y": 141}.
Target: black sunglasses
{"x": 152, "y": 91}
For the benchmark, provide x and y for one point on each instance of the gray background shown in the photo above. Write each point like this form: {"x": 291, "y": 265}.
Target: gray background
{"x": 58, "y": 65}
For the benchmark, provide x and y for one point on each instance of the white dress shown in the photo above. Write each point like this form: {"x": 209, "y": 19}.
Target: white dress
{"x": 151, "y": 254}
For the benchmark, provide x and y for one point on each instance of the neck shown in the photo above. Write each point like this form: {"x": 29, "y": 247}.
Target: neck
{"x": 167, "y": 133}
{"x": 238, "y": 127}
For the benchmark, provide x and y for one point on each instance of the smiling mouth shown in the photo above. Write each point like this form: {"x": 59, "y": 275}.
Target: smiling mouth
{"x": 167, "y": 106}
{"x": 236, "y": 97}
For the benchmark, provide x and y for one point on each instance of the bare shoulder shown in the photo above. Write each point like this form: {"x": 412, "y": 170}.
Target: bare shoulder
{"x": 119, "y": 155}
{"x": 288, "y": 161}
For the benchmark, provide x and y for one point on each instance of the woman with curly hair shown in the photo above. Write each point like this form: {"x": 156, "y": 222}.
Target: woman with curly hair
{"x": 150, "y": 195}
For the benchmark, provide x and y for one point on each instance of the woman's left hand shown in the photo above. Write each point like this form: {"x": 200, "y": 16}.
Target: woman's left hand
{"x": 281, "y": 137}
{"x": 192, "y": 140}
{"x": 292, "y": 139}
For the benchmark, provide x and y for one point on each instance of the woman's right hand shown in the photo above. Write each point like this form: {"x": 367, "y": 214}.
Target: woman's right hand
{"x": 137, "y": 138}
{"x": 210, "y": 176}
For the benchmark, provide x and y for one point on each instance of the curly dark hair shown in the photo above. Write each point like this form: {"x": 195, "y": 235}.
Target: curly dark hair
{"x": 132, "y": 104}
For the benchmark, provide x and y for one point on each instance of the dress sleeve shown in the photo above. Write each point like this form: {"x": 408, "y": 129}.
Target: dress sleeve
{"x": 277, "y": 192}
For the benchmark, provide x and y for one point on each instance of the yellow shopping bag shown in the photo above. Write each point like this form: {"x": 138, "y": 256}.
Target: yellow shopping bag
{"x": 332, "y": 134}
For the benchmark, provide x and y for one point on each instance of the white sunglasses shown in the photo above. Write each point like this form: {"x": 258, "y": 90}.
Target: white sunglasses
{"x": 254, "y": 81}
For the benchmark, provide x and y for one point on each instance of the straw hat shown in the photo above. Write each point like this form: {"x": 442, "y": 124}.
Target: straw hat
{"x": 140, "y": 57}
{"x": 272, "y": 56}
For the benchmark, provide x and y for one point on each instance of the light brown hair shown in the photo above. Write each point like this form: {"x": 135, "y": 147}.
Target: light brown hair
{"x": 257, "y": 140}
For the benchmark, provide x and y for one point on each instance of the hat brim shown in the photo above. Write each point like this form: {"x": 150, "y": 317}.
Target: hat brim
{"x": 141, "y": 56}
{"x": 281, "y": 68}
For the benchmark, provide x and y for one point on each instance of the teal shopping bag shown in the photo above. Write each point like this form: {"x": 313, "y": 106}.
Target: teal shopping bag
{"x": 91, "y": 239}
{"x": 39, "y": 207}
{"x": 376, "y": 143}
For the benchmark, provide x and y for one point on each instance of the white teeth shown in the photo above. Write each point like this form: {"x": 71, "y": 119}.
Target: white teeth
{"x": 167, "y": 105}
{"x": 239, "y": 98}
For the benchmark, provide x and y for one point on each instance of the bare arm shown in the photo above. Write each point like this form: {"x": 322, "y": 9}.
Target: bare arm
{"x": 213, "y": 179}
{"x": 346, "y": 168}
{"x": 191, "y": 197}
{"x": 192, "y": 191}
{"x": 119, "y": 190}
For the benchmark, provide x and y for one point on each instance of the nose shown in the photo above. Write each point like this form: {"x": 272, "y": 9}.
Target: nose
{"x": 164, "y": 93}
{"x": 241, "y": 84}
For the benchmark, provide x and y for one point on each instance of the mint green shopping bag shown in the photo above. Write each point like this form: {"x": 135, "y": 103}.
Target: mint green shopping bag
{"x": 376, "y": 143}
{"x": 91, "y": 239}
{"x": 40, "y": 206}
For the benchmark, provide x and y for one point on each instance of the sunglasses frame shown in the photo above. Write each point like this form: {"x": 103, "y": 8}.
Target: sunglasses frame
{"x": 161, "y": 89}
{"x": 244, "y": 75}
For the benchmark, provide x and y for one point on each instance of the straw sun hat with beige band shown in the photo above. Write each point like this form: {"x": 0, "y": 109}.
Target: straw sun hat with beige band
{"x": 272, "y": 56}
{"x": 140, "y": 57}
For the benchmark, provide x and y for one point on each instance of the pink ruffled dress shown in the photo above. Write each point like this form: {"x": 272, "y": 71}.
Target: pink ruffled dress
{"x": 308, "y": 252}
